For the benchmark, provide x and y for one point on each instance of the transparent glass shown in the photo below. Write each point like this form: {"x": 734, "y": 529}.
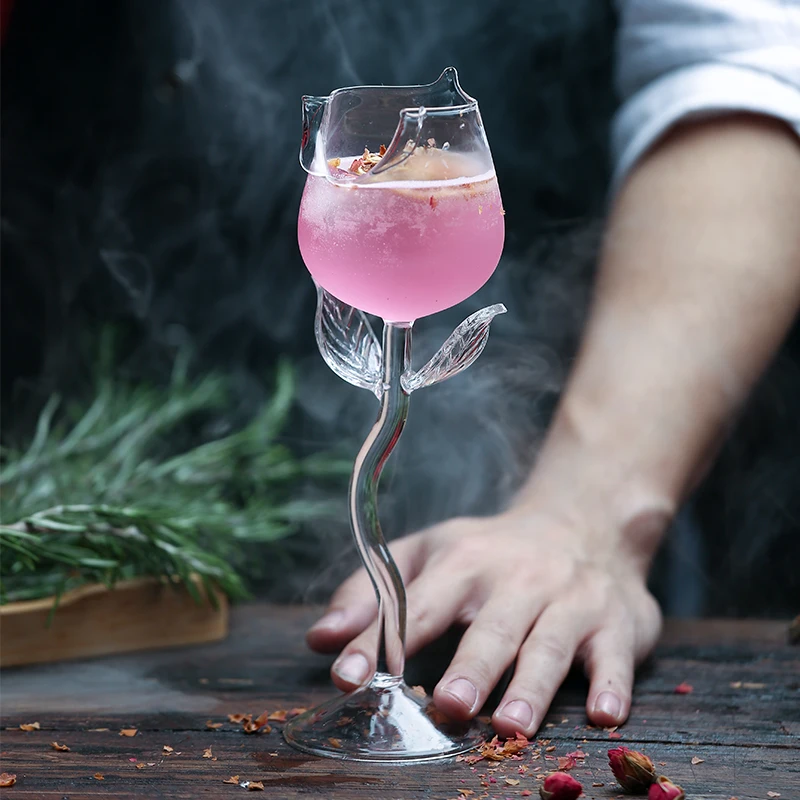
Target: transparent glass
{"x": 401, "y": 217}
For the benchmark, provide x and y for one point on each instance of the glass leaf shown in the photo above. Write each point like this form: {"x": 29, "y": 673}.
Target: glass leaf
{"x": 460, "y": 350}
{"x": 347, "y": 342}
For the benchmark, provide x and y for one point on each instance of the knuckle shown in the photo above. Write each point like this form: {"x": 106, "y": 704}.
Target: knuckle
{"x": 551, "y": 648}
{"x": 420, "y": 617}
{"x": 469, "y": 553}
{"x": 481, "y": 670}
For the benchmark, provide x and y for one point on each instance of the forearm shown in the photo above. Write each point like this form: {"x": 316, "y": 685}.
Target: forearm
{"x": 698, "y": 283}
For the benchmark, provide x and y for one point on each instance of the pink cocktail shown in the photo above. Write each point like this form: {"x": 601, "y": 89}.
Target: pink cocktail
{"x": 421, "y": 241}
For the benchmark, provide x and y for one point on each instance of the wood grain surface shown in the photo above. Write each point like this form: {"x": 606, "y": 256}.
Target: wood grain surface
{"x": 742, "y": 719}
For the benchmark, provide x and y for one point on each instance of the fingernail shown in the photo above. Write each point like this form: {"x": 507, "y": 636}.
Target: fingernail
{"x": 608, "y": 703}
{"x": 463, "y": 691}
{"x": 517, "y": 711}
{"x": 332, "y": 620}
{"x": 352, "y": 669}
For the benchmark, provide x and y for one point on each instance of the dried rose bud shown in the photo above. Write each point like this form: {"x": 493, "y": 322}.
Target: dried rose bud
{"x": 634, "y": 770}
{"x": 560, "y": 786}
{"x": 665, "y": 789}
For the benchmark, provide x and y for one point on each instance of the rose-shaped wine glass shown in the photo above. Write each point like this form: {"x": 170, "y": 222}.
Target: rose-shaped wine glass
{"x": 401, "y": 217}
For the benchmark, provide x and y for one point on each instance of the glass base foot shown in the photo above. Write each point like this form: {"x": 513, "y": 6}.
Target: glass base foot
{"x": 385, "y": 720}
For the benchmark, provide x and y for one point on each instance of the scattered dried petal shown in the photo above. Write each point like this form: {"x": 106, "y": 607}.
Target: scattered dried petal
{"x": 683, "y": 688}
{"x": 140, "y": 766}
{"x": 128, "y": 732}
{"x": 207, "y": 753}
{"x": 566, "y": 763}
{"x": 495, "y": 750}
{"x": 550, "y": 749}
{"x": 736, "y": 684}
{"x": 7, "y": 779}
{"x": 278, "y": 716}
{"x": 333, "y": 742}
{"x": 233, "y": 779}
{"x": 257, "y": 724}
{"x": 237, "y": 718}
{"x": 598, "y": 784}
{"x": 30, "y": 726}
{"x": 98, "y": 776}
{"x": 615, "y": 735}
{"x": 773, "y": 794}
{"x": 56, "y": 746}
{"x": 213, "y": 726}
{"x": 255, "y": 786}
{"x": 697, "y": 760}
{"x": 512, "y": 781}
{"x": 168, "y": 749}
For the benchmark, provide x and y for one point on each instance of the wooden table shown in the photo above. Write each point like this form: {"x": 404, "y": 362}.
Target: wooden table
{"x": 742, "y": 719}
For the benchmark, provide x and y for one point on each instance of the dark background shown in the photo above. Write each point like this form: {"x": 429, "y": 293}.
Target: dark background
{"x": 150, "y": 180}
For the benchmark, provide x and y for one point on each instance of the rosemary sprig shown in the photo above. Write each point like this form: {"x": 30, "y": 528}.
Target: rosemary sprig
{"x": 102, "y": 493}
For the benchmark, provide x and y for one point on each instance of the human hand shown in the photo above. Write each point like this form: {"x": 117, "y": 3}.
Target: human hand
{"x": 527, "y": 588}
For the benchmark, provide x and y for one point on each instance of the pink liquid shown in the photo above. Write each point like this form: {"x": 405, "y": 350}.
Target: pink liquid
{"x": 403, "y": 250}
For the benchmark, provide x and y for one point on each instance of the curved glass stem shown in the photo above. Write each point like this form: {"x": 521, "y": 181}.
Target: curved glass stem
{"x": 364, "y": 521}
{"x": 383, "y": 719}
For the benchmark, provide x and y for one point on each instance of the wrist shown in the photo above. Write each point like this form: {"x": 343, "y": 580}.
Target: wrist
{"x": 607, "y": 489}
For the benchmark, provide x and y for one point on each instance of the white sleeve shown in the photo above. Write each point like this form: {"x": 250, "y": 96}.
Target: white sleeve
{"x": 683, "y": 59}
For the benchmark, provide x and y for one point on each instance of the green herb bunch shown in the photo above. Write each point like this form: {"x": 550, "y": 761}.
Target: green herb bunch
{"x": 102, "y": 493}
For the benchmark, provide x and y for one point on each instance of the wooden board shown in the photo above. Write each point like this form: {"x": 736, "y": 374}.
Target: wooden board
{"x": 139, "y": 614}
{"x": 742, "y": 720}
